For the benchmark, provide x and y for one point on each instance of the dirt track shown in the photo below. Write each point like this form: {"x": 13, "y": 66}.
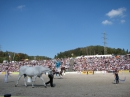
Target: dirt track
{"x": 71, "y": 85}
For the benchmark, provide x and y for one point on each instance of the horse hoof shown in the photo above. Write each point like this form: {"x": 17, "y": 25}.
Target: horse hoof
{"x": 32, "y": 87}
{"x": 15, "y": 85}
{"x": 45, "y": 86}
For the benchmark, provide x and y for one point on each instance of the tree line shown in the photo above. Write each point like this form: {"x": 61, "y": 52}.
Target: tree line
{"x": 91, "y": 50}
{"x": 11, "y": 56}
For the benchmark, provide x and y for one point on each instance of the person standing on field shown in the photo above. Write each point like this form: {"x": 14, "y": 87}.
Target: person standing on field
{"x": 116, "y": 76}
{"x": 6, "y": 75}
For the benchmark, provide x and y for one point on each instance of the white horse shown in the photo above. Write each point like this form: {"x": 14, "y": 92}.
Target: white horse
{"x": 34, "y": 72}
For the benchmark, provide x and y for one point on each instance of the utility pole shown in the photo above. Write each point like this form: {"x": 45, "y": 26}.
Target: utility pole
{"x": 105, "y": 47}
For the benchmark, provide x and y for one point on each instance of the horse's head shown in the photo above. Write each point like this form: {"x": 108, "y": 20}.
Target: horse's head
{"x": 50, "y": 72}
{"x": 46, "y": 70}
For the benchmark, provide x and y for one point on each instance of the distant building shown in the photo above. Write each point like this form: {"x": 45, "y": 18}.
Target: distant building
{"x": 91, "y": 56}
{"x": 128, "y": 56}
{"x": 5, "y": 61}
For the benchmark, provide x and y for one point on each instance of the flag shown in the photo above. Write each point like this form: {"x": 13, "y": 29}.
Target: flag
{"x": 9, "y": 56}
{"x": 13, "y": 56}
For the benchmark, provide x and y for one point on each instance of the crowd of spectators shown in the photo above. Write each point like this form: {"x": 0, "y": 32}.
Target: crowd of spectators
{"x": 101, "y": 64}
{"x": 80, "y": 64}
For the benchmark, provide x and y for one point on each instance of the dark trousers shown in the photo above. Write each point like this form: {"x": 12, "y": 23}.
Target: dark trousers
{"x": 51, "y": 80}
{"x": 117, "y": 78}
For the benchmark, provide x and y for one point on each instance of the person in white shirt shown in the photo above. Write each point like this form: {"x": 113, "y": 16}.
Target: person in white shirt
{"x": 6, "y": 75}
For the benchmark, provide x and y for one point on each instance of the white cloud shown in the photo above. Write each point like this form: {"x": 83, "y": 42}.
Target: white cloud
{"x": 21, "y": 7}
{"x": 118, "y": 12}
{"x": 122, "y": 21}
{"x": 106, "y": 22}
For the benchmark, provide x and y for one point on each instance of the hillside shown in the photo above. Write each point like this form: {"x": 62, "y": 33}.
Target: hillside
{"x": 91, "y": 50}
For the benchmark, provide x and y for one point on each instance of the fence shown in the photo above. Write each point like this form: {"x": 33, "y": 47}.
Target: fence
{"x": 83, "y": 72}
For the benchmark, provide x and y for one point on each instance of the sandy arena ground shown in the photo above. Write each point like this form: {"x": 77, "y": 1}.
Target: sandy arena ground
{"x": 71, "y": 85}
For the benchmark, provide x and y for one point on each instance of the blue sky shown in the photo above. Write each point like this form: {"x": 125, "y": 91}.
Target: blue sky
{"x": 47, "y": 27}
